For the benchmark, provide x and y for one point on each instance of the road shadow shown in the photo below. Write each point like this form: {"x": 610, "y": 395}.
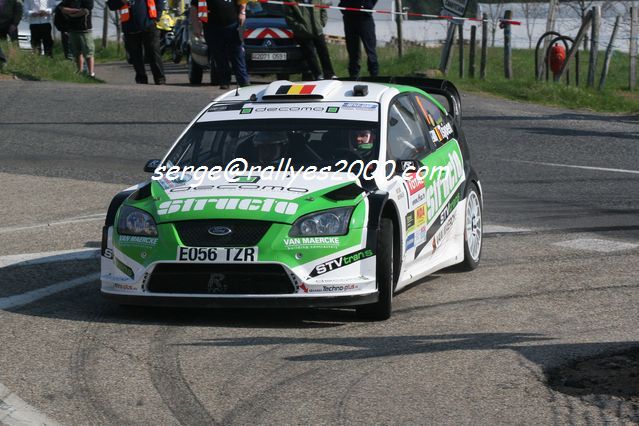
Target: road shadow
{"x": 617, "y": 396}
{"x": 556, "y": 117}
{"x": 575, "y": 133}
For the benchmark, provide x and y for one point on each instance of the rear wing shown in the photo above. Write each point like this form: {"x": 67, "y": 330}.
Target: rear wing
{"x": 429, "y": 85}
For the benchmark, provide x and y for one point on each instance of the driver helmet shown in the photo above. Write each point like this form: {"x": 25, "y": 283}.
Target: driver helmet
{"x": 271, "y": 145}
{"x": 362, "y": 140}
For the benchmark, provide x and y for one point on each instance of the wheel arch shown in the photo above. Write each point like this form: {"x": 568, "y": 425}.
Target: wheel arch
{"x": 391, "y": 212}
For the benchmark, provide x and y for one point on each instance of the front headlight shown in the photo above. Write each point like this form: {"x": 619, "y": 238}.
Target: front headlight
{"x": 327, "y": 222}
{"x": 134, "y": 221}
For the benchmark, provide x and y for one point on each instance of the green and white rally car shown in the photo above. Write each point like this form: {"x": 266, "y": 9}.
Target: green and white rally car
{"x": 313, "y": 194}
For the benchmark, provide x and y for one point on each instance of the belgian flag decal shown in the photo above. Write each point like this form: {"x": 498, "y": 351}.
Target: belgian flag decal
{"x": 296, "y": 89}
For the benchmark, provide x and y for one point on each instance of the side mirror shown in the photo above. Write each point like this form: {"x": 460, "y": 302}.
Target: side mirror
{"x": 407, "y": 165}
{"x": 151, "y": 165}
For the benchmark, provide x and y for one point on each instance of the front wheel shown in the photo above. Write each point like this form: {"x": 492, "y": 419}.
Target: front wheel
{"x": 381, "y": 310}
{"x": 473, "y": 231}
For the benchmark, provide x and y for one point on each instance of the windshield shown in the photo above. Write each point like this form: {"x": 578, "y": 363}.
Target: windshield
{"x": 263, "y": 143}
{"x": 255, "y": 10}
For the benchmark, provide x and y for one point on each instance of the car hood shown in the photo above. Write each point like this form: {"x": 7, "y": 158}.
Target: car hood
{"x": 266, "y": 196}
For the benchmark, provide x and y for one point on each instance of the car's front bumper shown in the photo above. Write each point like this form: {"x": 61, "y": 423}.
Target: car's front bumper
{"x": 343, "y": 278}
{"x": 172, "y": 300}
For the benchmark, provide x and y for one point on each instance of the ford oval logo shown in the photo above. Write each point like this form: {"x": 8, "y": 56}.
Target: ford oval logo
{"x": 220, "y": 231}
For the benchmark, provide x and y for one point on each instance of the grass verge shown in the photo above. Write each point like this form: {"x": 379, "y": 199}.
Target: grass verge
{"x": 27, "y": 66}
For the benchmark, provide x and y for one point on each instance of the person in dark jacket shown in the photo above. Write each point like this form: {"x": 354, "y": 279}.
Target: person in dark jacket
{"x": 360, "y": 26}
{"x": 80, "y": 33}
{"x": 220, "y": 22}
{"x": 10, "y": 17}
{"x": 307, "y": 24}
{"x": 138, "y": 19}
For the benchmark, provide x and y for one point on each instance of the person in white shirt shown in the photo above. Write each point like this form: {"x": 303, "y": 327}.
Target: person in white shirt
{"x": 38, "y": 13}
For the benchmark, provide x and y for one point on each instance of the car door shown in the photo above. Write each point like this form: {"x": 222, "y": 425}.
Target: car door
{"x": 408, "y": 140}
{"x": 442, "y": 185}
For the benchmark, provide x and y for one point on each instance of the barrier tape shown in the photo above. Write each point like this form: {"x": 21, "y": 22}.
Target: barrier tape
{"x": 385, "y": 12}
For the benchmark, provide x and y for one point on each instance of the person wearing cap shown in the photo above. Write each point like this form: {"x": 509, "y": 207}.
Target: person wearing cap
{"x": 360, "y": 26}
{"x": 220, "y": 22}
{"x": 307, "y": 23}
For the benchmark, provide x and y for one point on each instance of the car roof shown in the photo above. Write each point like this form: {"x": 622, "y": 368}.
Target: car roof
{"x": 323, "y": 90}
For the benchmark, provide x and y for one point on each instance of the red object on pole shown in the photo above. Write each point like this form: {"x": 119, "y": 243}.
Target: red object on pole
{"x": 557, "y": 58}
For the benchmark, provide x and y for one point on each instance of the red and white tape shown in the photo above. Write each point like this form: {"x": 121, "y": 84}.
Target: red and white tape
{"x": 385, "y": 12}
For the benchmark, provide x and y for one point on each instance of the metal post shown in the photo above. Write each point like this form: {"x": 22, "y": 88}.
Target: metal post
{"x": 634, "y": 24}
{"x": 461, "y": 49}
{"x": 508, "y": 51}
{"x": 444, "y": 62}
{"x": 400, "y": 34}
{"x": 484, "y": 46}
{"x": 608, "y": 58}
{"x": 471, "y": 58}
{"x": 105, "y": 26}
{"x": 575, "y": 46}
{"x": 594, "y": 45}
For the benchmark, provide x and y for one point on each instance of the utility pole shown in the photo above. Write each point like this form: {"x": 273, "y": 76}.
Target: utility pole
{"x": 400, "y": 34}
{"x": 634, "y": 23}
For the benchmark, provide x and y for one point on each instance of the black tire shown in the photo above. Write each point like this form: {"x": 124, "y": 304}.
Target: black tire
{"x": 307, "y": 76}
{"x": 283, "y": 76}
{"x": 195, "y": 71}
{"x": 473, "y": 228}
{"x": 381, "y": 310}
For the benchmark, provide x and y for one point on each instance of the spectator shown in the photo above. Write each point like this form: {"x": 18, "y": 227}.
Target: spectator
{"x": 307, "y": 24}
{"x": 80, "y": 33}
{"x": 64, "y": 37}
{"x": 3, "y": 59}
{"x": 38, "y": 13}
{"x": 141, "y": 36}
{"x": 220, "y": 22}
{"x": 10, "y": 16}
{"x": 360, "y": 26}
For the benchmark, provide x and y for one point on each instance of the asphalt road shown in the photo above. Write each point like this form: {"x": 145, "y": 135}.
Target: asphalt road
{"x": 558, "y": 282}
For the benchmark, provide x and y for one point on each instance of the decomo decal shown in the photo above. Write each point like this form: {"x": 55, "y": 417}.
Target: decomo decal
{"x": 235, "y": 187}
{"x": 267, "y": 205}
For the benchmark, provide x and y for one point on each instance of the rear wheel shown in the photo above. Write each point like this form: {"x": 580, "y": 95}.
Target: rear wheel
{"x": 283, "y": 76}
{"x": 195, "y": 71}
{"x": 307, "y": 76}
{"x": 381, "y": 310}
{"x": 472, "y": 229}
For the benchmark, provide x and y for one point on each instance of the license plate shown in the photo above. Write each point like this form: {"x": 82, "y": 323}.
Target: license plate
{"x": 268, "y": 56}
{"x": 217, "y": 254}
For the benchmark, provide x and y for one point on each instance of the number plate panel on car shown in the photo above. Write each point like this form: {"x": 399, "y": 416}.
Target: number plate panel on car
{"x": 279, "y": 56}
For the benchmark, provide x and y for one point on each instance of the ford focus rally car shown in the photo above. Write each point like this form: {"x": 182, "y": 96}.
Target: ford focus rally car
{"x": 389, "y": 196}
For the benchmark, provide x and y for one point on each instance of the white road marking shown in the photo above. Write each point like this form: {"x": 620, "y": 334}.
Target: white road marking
{"x": 47, "y": 257}
{"x": 79, "y": 219}
{"x": 595, "y": 244}
{"x": 572, "y": 166}
{"x": 498, "y": 229}
{"x": 15, "y": 412}
{"x": 32, "y": 296}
